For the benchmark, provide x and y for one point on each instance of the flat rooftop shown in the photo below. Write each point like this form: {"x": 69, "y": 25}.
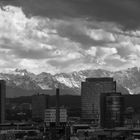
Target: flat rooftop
{"x": 99, "y": 79}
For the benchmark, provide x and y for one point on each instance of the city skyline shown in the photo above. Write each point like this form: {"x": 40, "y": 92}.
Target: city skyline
{"x": 69, "y": 69}
{"x": 69, "y": 35}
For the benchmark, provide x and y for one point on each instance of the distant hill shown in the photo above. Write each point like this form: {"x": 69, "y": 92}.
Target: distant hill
{"x": 65, "y": 100}
{"x": 12, "y": 92}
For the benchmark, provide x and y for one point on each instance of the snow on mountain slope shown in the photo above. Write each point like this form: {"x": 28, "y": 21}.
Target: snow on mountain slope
{"x": 129, "y": 79}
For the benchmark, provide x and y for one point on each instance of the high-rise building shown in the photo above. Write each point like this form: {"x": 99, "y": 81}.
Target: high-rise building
{"x": 2, "y": 100}
{"x": 112, "y": 109}
{"x": 90, "y": 97}
{"x": 39, "y": 104}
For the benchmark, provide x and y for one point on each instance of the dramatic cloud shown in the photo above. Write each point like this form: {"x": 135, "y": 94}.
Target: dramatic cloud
{"x": 124, "y": 12}
{"x": 67, "y": 35}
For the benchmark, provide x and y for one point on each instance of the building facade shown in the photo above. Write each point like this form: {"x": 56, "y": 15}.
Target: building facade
{"x": 90, "y": 97}
{"x": 40, "y": 102}
{"x": 112, "y": 110}
{"x": 50, "y": 116}
{"x": 2, "y": 100}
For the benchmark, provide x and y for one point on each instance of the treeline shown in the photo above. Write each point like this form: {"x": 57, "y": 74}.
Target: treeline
{"x": 65, "y": 100}
{"x": 71, "y": 101}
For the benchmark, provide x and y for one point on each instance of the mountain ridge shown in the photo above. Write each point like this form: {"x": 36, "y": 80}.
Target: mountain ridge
{"x": 128, "y": 81}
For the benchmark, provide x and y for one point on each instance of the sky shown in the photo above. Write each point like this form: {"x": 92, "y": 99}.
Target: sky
{"x": 69, "y": 35}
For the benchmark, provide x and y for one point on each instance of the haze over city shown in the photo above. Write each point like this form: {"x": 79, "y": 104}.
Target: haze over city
{"x": 69, "y": 35}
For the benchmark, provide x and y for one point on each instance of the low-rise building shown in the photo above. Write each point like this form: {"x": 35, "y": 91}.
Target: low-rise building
{"x": 50, "y": 116}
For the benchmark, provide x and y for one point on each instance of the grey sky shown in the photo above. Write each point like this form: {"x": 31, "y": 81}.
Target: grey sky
{"x": 67, "y": 35}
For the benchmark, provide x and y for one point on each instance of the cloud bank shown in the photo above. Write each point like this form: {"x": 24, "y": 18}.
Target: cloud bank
{"x": 66, "y": 36}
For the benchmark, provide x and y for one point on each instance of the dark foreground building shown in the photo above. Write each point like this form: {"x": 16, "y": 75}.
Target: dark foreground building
{"x": 90, "y": 97}
{"x": 2, "y": 100}
{"x": 39, "y": 104}
{"x": 112, "y": 110}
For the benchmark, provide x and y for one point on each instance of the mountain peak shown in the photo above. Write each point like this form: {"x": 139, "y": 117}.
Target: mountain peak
{"x": 21, "y": 71}
{"x": 129, "y": 79}
{"x": 18, "y": 70}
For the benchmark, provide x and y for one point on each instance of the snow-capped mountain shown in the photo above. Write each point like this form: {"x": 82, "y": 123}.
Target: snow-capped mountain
{"x": 128, "y": 81}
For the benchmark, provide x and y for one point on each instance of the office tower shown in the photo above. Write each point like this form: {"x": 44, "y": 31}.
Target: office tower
{"x": 2, "y": 100}
{"x": 112, "y": 110}
{"x": 39, "y": 104}
{"x": 90, "y": 97}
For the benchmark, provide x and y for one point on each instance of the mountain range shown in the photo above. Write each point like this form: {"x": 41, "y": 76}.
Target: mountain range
{"x": 21, "y": 82}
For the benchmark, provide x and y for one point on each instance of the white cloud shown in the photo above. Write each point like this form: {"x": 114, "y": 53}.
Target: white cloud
{"x": 100, "y": 34}
{"x": 92, "y": 51}
{"x": 56, "y": 45}
{"x": 36, "y": 66}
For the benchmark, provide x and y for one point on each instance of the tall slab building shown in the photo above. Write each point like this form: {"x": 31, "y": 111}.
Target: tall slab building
{"x": 90, "y": 97}
{"x": 39, "y": 105}
{"x": 2, "y": 100}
